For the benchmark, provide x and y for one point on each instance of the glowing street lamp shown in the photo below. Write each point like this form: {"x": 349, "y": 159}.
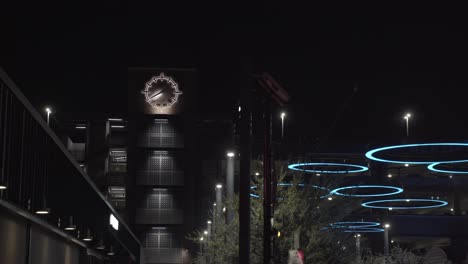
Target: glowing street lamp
{"x": 283, "y": 114}
{"x": 407, "y": 117}
{"x": 386, "y": 247}
{"x": 48, "y": 111}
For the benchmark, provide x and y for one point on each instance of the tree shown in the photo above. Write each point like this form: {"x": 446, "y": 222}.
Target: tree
{"x": 300, "y": 209}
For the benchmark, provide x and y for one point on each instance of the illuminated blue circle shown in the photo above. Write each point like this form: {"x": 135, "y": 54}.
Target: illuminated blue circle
{"x": 396, "y": 190}
{"x": 364, "y": 230}
{"x": 370, "y": 154}
{"x": 290, "y": 184}
{"x": 370, "y": 204}
{"x": 354, "y": 224}
{"x": 356, "y": 168}
{"x": 432, "y": 167}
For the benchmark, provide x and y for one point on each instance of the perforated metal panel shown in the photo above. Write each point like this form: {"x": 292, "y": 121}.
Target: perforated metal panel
{"x": 160, "y": 168}
{"x": 164, "y": 256}
{"x": 161, "y": 133}
{"x": 159, "y": 216}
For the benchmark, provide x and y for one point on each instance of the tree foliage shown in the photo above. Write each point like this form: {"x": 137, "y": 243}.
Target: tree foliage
{"x": 298, "y": 208}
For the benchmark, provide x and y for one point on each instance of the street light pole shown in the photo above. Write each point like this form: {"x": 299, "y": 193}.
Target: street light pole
{"x": 358, "y": 248}
{"x": 230, "y": 184}
{"x": 407, "y": 117}
{"x": 48, "y": 114}
{"x": 283, "y": 114}
{"x": 386, "y": 246}
{"x": 219, "y": 196}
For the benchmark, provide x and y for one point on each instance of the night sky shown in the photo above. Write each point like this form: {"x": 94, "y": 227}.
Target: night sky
{"x": 75, "y": 58}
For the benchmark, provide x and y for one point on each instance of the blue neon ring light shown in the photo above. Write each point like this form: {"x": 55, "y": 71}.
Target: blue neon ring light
{"x": 432, "y": 167}
{"x": 290, "y": 184}
{"x": 354, "y": 224}
{"x": 356, "y": 168}
{"x": 370, "y": 154}
{"x": 365, "y": 230}
{"x": 396, "y": 190}
{"x": 370, "y": 204}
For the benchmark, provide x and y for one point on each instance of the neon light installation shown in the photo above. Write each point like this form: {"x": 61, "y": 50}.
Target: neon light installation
{"x": 432, "y": 167}
{"x": 395, "y": 190}
{"x": 364, "y": 230}
{"x": 436, "y": 203}
{"x": 354, "y": 224}
{"x": 290, "y": 184}
{"x": 371, "y": 154}
{"x": 354, "y": 167}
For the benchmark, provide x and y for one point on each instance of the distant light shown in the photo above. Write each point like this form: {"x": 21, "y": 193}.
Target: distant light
{"x": 80, "y": 127}
{"x": 407, "y": 200}
{"x": 43, "y": 211}
{"x": 101, "y": 246}
{"x": 406, "y": 164}
{"x": 283, "y": 114}
{"x": 330, "y": 198}
{"x": 114, "y": 222}
{"x": 201, "y": 238}
{"x": 389, "y": 175}
{"x": 256, "y": 174}
{"x": 387, "y": 225}
{"x": 230, "y": 154}
{"x": 279, "y": 234}
{"x": 408, "y": 115}
{"x": 3, "y": 187}
{"x": 214, "y": 204}
{"x": 70, "y": 228}
{"x": 205, "y": 232}
{"x": 118, "y": 151}
{"x": 450, "y": 176}
{"x": 224, "y": 209}
{"x": 48, "y": 110}
{"x": 115, "y": 119}
{"x": 390, "y": 208}
{"x": 111, "y": 253}
{"x": 391, "y": 241}
{"x": 318, "y": 174}
{"x": 239, "y": 108}
{"x": 208, "y": 222}
{"x": 81, "y": 165}
{"x": 219, "y": 186}
{"x": 88, "y": 239}
{"x": 451, "y": 209}
{"x": 116, "y": 126}
{"x": 359, "y": 235}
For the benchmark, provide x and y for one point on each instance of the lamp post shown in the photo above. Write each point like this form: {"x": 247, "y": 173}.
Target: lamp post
{"x": 230, "y": 183}
{"x": 407, "y": 117}
{"x": 386, "y": 247}
{"x": 219, "y": 196}
{"x": 283, "y": 114}
{"x": 48, "y": 111}
{"x": 358, "y": 247}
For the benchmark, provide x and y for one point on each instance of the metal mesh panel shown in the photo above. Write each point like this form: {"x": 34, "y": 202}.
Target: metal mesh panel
{"x": 160, "y": 133}
{"x": 159, "y": 216}
{"x": 160, "y": 168}
{"x": 164, "y": 256}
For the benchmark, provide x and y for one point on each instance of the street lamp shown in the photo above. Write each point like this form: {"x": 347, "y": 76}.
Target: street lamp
{"x": 219, "y": 196}
{"x": 407, "y": 117}
{"x": 386, "y": 247}
{"x": 283, "y": 114}
{"x": 48, "y": 111}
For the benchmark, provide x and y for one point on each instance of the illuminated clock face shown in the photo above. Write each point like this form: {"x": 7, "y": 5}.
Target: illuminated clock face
{"x": 161, "y": 91}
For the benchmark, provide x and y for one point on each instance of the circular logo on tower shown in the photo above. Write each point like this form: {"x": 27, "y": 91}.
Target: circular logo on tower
{"x": 161, "y": 91}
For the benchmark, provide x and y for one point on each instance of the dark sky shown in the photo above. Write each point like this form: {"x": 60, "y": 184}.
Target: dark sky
{"x": 75, "y": 58}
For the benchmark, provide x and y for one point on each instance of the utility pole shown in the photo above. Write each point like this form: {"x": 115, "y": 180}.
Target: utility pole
{"x": 245, "y": 153}
{"x": 275, "y": 92}
{"x": 267, "y": 184}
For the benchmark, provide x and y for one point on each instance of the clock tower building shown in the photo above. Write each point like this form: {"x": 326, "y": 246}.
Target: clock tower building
{"x": 160, "y": 185}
